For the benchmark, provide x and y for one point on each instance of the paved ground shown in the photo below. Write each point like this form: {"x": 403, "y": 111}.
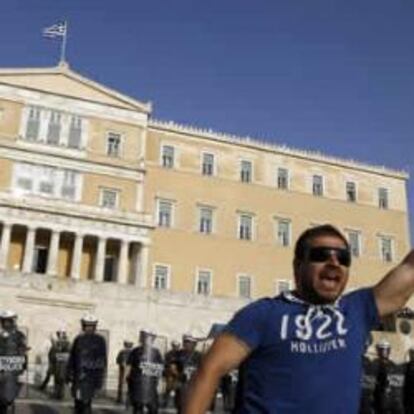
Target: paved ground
{"x": 33, "y": 401}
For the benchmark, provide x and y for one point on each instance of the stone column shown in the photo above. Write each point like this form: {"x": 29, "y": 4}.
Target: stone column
{"x": 28, "y": 250}
{"x": 141, "y": 266}
{"x": 76, "y": 257}
{"x": 100, "y": 260}
{"x": 53, "y": 253}
{"x": 123, "y": 263}
{"x": 5, "y": 245}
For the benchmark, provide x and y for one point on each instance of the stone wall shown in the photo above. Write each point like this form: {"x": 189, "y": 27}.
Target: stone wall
{"x": 44, "y": 304}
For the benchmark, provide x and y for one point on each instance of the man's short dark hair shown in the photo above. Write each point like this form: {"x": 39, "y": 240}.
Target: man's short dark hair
{"x": 310, "y": 234}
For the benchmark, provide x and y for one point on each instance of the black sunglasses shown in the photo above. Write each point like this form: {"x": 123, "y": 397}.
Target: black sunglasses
{"x": 322, "y": 254}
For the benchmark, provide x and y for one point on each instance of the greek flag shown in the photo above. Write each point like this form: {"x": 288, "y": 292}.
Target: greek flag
{"x": 56, "y": 30}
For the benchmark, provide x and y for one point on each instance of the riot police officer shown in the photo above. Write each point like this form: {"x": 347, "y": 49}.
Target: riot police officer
{"x": 171, "y": 374}
{"x": 228, "y": 387}
{"x": 57, "y": 361}
{"x": 87, "y": 365}
{"x": 60, "y": 362}
{"x": 145, "y": 366}
{"x": 409, "y": 383}
{"x": 121, "y": 361}
{"x": 188, "y": 360}
{"x": 368, "y": 385}
{"x": 388, "y": 392}
{"x": 13, "y": 359}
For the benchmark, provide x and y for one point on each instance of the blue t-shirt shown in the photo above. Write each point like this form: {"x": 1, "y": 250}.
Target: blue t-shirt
{"x": 305, "y": 359}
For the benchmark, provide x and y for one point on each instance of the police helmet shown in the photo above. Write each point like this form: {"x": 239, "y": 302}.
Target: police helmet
{"x": 383, "y": 344}
{"x": 143, "y": 334}
{"x": 8, "y": 314}
{"x": 189, "y": 338}
{"x": 89, "y": 319}
{"x": 175, "y": 344}
{"x": 61, "y": 332}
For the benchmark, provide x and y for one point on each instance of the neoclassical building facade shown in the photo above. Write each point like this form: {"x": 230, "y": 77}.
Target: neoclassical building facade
{"x": 155, "y": 225}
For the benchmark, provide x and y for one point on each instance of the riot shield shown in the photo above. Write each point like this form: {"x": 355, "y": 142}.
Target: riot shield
{"x": 60, "y": 366}
{"x": 396, "y": 381}
{"x": 13, "y": 363}
{"x": 87, "y": 365}
{"x": 147, "y": 365}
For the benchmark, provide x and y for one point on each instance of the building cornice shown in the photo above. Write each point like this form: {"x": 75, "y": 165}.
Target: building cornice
{"x": 65, "y": 70}
{"x": 27, "y": 153}
{"x": 256, "y": 144}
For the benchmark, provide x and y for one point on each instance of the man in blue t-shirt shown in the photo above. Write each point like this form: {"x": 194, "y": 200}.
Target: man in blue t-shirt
{"x": 301, "y": 352}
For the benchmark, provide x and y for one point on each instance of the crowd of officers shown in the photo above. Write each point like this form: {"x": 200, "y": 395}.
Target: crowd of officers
{"x": 83, "y": 365}
{"x": 387, "y": 387}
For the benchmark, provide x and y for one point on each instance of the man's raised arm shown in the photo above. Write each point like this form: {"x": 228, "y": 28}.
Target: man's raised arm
{"x": 394, "y": 290}
{"x": 226, "y": 353}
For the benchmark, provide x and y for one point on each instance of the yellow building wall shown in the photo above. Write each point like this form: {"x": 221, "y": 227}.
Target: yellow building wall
{"x": 131, "y": 142}
{"x": 93, "y": 183}
{"x": 5, "y": 174}
{"x": 228, "y": 156}
{"x": 185, "y": 250}
{"x": 9, "y": 119}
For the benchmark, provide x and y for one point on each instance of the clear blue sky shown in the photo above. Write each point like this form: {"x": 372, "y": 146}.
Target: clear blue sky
{"x": 330, "y": 75}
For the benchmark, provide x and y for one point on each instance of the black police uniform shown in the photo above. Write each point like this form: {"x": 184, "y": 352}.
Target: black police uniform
{"x": 187, "y": 362}
{"x": 369, "y": 373}
{"x": 409, "y": 388}
{"x": 86, "y": 369}
{"x": 388, "y": 392}
{"x": 121, "y": 361}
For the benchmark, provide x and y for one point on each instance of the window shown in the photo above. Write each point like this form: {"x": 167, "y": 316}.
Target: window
{"x": 383, "y": 198}
{"x": 245, "y": 227}
{"x": 282, "y": 178}
{"x": 161, "y": 277}
{"x": 25, "y": 183}
{"x": 386, "y": 246}
{"x": 69, "y": 184}
{"x": 245, "y": 171}
{"x": 317, "y": 185}
{"x": 245, "y": 286}
{"x": 109, "y": 198}
{"x": 167, "y": 156}
{"x": 46, "y": 181}
{"x": 113, "y": 144}
{"x": 283, "y": 232}
{"x": 208, "y": 164}
{"x": 54, "y": 127}
{"x": 164, "y": 213}
{"x": 354, "y": 239}
{"x": 33, "y": 124}
{"x": 350, "y": 191}
{"x": 283, "y": 285}
{"x": 75, "y": 132}
{"x": 206, "y": 220}
{"x": 204, "y": 282}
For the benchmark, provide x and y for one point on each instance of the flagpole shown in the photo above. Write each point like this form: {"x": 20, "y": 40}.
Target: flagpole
{"x": 63, "y": 45}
